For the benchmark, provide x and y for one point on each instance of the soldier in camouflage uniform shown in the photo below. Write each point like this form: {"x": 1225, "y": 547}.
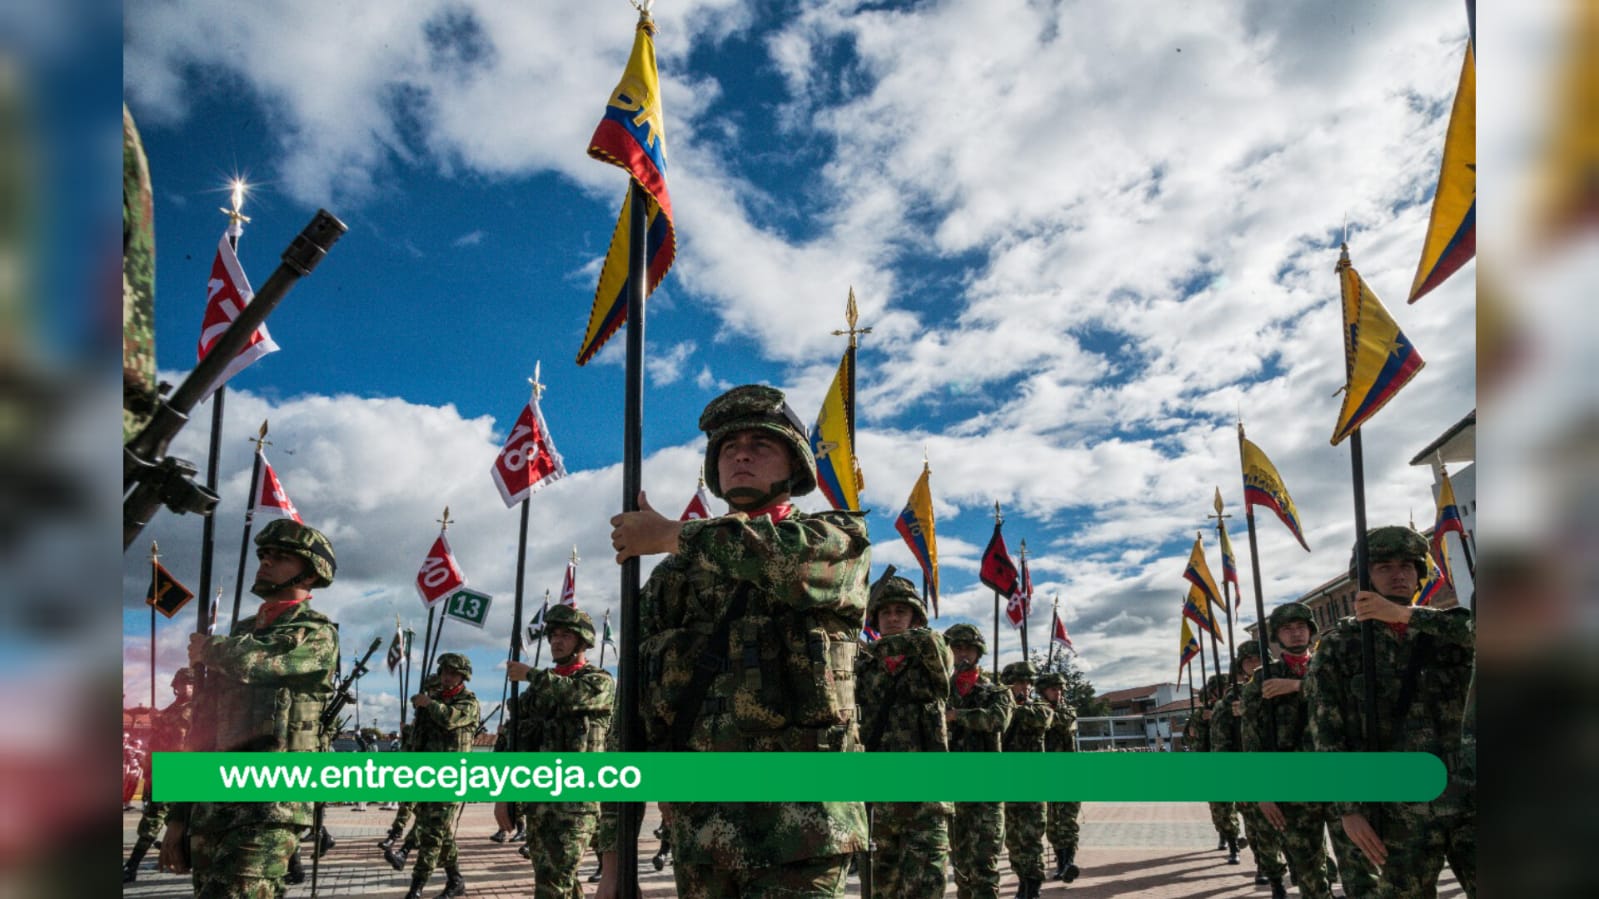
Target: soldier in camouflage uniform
{"x": 902, "y": 684}
{"x": 169, "y": 728}
{"x": 775, "y": 597}
{"x": 264, "y": 689}
{"x": 1024, "y": 821}
{"x": 406, "y": 810}
{"x": 1198, "y": 734}
{"x": 446, "y": 721}
{"x": 979, "y": 711}
{"x": 1061, "y": 737}
{"x": 510, "y": 816}
{"x": 1226, "y": 735}
{"x": 1424, "y": 662}
{"x": 138, "y": 283}
{"x": 564, "y": 709}
{"x": 1274, "y": 700}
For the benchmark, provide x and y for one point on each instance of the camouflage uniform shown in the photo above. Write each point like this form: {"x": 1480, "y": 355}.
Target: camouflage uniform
{"x": 791, "y": 588}
{"x": 1226, "y": 735}
{"x": 1423, "y": 671}
{"x": 982, "y": 712}
{"x": 1024, "y": 821}
{"x": 563, "y": 709}
{"x": 902, "y": 684}
{"x": 138, "y": 283}
{"x": 446, "y": 724}
{"x": 169, "y": 731}
{"x": 1062, "y": 828}
{"x": 1199, "y": 733}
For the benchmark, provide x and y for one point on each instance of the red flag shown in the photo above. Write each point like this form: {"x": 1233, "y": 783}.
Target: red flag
{"x": 1059, "y": 635}
{"x": 273, "y": 499}
{"x": 528, "y": 460}
{"x": 569, "y": 586}
{"x": 998, "y": 571}
{"x": 699, "y": 506}
{"x": 227, "y": 292}
{"x": 1021, "y": 602}
{"x": 439, "y": 576}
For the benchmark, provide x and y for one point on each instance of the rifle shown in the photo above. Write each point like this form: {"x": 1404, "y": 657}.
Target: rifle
{"x": 151, "y": 478}
{"x": 483, "y": 725}
{"x": 330, "y": 719}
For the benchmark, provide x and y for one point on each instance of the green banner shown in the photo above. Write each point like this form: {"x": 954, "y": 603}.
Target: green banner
{"x": 795, "y": 776}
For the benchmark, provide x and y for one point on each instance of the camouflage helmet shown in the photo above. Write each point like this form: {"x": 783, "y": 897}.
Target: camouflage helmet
{"x": 456, "y": 662}
{"x": 1289, "y": 612}
{"x": 184, "y": 675}
{"x": 968, "y": 634}
{"x": 1052, "y": 679}
{"x": 1394, "y": 542}
{"x": 761, "y": 408}
{"x": 1216, "y": 686}
{"x": 1016, "y": 672}
{"x": 1246, "y": 650}
{"x": 302, "y": 540}
{"x": 891, "y": 588}
{"x": 571, "y": 619}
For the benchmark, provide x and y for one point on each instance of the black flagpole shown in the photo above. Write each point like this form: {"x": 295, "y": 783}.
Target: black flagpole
{"x": 249, "y": 518}
{"x": 516, "y": 625}
{"x": 1268, "y": 733}
{"x": 1368, "y": 628}
{"x": 630, "y": 814}
{"x": 1027, "y": 602}
{"x": 236, "y": 222}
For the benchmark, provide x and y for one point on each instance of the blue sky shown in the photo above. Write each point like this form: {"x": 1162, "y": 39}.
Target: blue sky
{"x": 1087, "y": 237}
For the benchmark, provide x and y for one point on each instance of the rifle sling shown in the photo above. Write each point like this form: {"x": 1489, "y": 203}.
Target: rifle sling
{"x": 710, "y": 663}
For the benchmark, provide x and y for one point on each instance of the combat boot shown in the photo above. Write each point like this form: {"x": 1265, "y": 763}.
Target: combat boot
{"x": 521, "y": 834}
{"x": 296, "y": 873}
{"x": 1221, "y": 841}
{"x": 130, "y": 871}
{"x": 1232, "y": 852}
{"x": 394, "y": 837}
{"x": 499, "y": 836}
{"x": 598, "y": 872}
{"x": 1278, "y": 891}
{"x": 1069, "y": 870}
{"x": 524, "y": 851}
{"x": 454, "y": 886}
{"x": 662, "y": 856}
{"x": 395, "y": 856}
{"x": 418, "y": 881}
{"x": 1260, "y": 878}
{"x": 324, "y": 843}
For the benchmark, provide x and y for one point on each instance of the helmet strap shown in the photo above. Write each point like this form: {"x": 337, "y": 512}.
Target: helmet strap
{"x": 270, "y": 589}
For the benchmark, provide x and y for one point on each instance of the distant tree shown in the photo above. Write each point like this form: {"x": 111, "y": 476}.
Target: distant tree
{"x": 1079, "y": 690}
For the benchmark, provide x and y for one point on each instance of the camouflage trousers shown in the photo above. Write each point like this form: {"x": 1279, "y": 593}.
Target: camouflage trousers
{"x": 911, "y": 847}
{"x": 809, "y": 878}
{"x": 1304, "y": 842}
{"x": 155, "y": 815}
{"x": 1221, "y": 815}
{"x": 1024, "y": 838}
{"x": 435, "y": 836}
{"x": 1421, "y": 837}
{"x": 402, "y": 817}
{"x": 557, "y": 837}
{"x": 976, "y": 836}
{"x": 1265, "y": 841}
{"x": 246, "y": 862}
{"x": 1063, "y": 828}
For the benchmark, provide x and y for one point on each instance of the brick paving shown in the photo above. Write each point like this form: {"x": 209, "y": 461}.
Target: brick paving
{"x": 1157, "y": 850}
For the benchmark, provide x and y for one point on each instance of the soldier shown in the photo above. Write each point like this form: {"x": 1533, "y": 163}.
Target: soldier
{"x": 902, "y": 682}
{"x": 404, "y": 811}
{"x": 446, "y": 721}
{"x": 511, "y": 817}
{"x": 565, "y": 709}
{"x": 1226, "y": 735}
{"x": 1061, "y": 737}
{"x": 1222, "y": 814}
{"x": 1024, "y": 821}
{"x": 1424, "y": 662}
{"x": 168, "y": 729}
{"x": 776, "y": 596}
{"x": 265, "y": 686}
{"x": 140, "y": 392}
{"x": 1274, "y": 700}
{"x": 978, "y": 714}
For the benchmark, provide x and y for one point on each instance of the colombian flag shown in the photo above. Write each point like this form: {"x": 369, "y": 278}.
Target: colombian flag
{"x": 1188, "y": 649}
{"x": 1378, "y": 357}
{"x": 632, "y": 135}
{"x": 915, "y": 524}
{"x": 1448, "y": 520}
{"x": 833, "y": 440}
{"x": 1197, "y": 610}
{"x": 1452, "y": 230}
{"x": 1198, "y": 574}
{"x": 1264, "y": 487}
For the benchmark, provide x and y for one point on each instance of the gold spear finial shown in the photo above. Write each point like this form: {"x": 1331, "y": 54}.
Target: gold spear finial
{"x": 1024, "y": 547}
{"x": 852, "y": 316}
{"x": 998, "y": 518}
{"x": 538, "y": 386}
{"x": 155, "y": 551}
{"x": 575, "y": 559}
{"x": 1218, "y": 504}
{"x": 446, "y": 521}
{"x": 259, "y": 439}
{"x": 236, "y": 218}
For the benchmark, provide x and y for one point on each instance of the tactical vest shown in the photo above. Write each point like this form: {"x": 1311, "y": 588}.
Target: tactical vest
{"x": 429, "y": 737}
{"x": 962, "y": 739}
{"x": 565, "y": 731}
{"x": 282, "y": 715}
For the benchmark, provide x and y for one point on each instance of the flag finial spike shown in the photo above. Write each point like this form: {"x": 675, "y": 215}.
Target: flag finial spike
{"x": 538, "y": 386}
{"x": 998, "y": 518}
{"x": 259, "y": 439}
{"x": 236, "y": 219}
{"x": 575, "y": 559}
{"x": 445, "y": 521}
{"x": 155, "y": 551}
{"x": 852, "y": 316}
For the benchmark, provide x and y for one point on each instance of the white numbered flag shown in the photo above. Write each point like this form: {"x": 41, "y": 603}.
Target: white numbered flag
{"x": 439, "y": 576}
{"x": 227, "y": 291}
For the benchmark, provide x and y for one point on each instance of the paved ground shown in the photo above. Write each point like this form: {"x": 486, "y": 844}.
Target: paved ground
{"x": 1154, "y": 850}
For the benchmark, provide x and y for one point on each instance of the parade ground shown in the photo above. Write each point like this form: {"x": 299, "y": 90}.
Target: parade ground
{"x": 1128, "y": 849}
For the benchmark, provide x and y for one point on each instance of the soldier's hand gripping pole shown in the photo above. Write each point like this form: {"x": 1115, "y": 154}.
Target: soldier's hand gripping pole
{"x": 150, "y": 478}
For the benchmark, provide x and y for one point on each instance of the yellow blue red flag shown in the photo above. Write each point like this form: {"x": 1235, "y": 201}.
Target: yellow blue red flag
{"x": 1378, "y": 357}
{"x": 915, "y": 524}
{"x": 1197, "y": 610}
{"x": 833, "y": 440}
{"x": 1198, "y": 574}
{"x": 1448, "y": 520}
{"x": 1229, "y": 562}
{"x": 632, "y": 135}
{"x": 1188, "y": 649}
{"x": 1452, "y": 230}
{"x": 1263, "y": 486}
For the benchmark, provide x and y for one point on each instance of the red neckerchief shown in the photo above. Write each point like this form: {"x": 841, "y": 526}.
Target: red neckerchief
{"x": 1297, "y": 665}
{"x": 1398, "y": 627}
{"x": 966, "y": 680}
{"x": 893, "y": 663}
{"x": 567, "y": 669}
{"x": 452, "y": 692}
{"x": 270, "y": 611}
{"x": 777, "y": 513}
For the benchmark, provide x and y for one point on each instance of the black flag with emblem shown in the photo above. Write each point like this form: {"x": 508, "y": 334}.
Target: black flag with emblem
{"x": 166, "y": 593}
